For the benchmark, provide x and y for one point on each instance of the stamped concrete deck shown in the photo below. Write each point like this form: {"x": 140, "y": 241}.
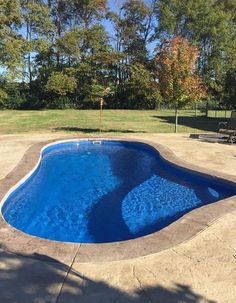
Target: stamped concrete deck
{"x": 202, "y": 269}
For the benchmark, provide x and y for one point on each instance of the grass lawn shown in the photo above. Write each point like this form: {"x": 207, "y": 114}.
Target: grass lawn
{"x": 114, "y": 121}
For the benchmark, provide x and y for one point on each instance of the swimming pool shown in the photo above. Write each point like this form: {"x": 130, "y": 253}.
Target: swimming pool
{"x": 105, "y": 191}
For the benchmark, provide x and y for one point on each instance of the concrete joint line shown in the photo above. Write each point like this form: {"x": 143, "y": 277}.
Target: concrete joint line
{"x": 67, "y": 273}
{"x": 225, "y": 243}
{"x": 141, "y": 287}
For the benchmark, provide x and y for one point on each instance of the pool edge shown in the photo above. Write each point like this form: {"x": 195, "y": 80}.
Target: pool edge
{"x": 179, "y": 231}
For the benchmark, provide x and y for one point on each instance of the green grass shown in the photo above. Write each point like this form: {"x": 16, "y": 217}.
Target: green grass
{"x": 114, "y": 121}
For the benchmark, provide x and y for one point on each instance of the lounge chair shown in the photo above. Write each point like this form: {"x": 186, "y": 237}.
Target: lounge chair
{"x": 229, "y": 128}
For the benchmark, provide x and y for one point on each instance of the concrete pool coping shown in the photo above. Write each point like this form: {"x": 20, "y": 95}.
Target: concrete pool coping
{"x": 179, "y": 231}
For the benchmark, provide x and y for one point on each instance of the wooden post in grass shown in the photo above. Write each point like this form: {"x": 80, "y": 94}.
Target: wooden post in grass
{"x": 100, "y": 120}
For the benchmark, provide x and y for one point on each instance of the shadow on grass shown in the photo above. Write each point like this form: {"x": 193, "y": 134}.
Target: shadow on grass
{"x": 96, "y": 130}
{"x": 201, "y": 123}
{"x": 29, "y": 279}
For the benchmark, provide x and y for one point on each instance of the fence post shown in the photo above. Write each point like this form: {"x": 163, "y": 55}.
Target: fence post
{"x": 207, "y": 109}
{"x": 176, "y": 119}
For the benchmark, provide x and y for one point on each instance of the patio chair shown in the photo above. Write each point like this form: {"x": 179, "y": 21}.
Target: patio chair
{"x": 229, "y": 128}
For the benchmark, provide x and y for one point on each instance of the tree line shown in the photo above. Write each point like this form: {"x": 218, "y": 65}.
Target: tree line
{"x": 140, "y": 54}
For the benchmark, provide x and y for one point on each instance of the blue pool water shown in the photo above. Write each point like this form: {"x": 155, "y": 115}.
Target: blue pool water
{"x": 114, "y": 191}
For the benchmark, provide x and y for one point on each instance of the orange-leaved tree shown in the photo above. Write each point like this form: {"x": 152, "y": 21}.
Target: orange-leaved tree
{"x": 178, "y": 79}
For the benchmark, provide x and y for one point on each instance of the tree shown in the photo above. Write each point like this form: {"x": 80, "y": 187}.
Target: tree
{"x": 79, "y": 42}
{"x": 230, "y": 88}
{"x": 37, "y": 24}
{"x": 136, "y": 25}
{"x": 88, "y": 12}
{"x": 142, "y": 89}
{"x": 12, "y": 46}
{"x": 3, "y": 98}
{"x": 44, "y": 43}
{"x": 176, "y": 67}
{"x": 211, "y": 26}
{"x": 61, "y": 83}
